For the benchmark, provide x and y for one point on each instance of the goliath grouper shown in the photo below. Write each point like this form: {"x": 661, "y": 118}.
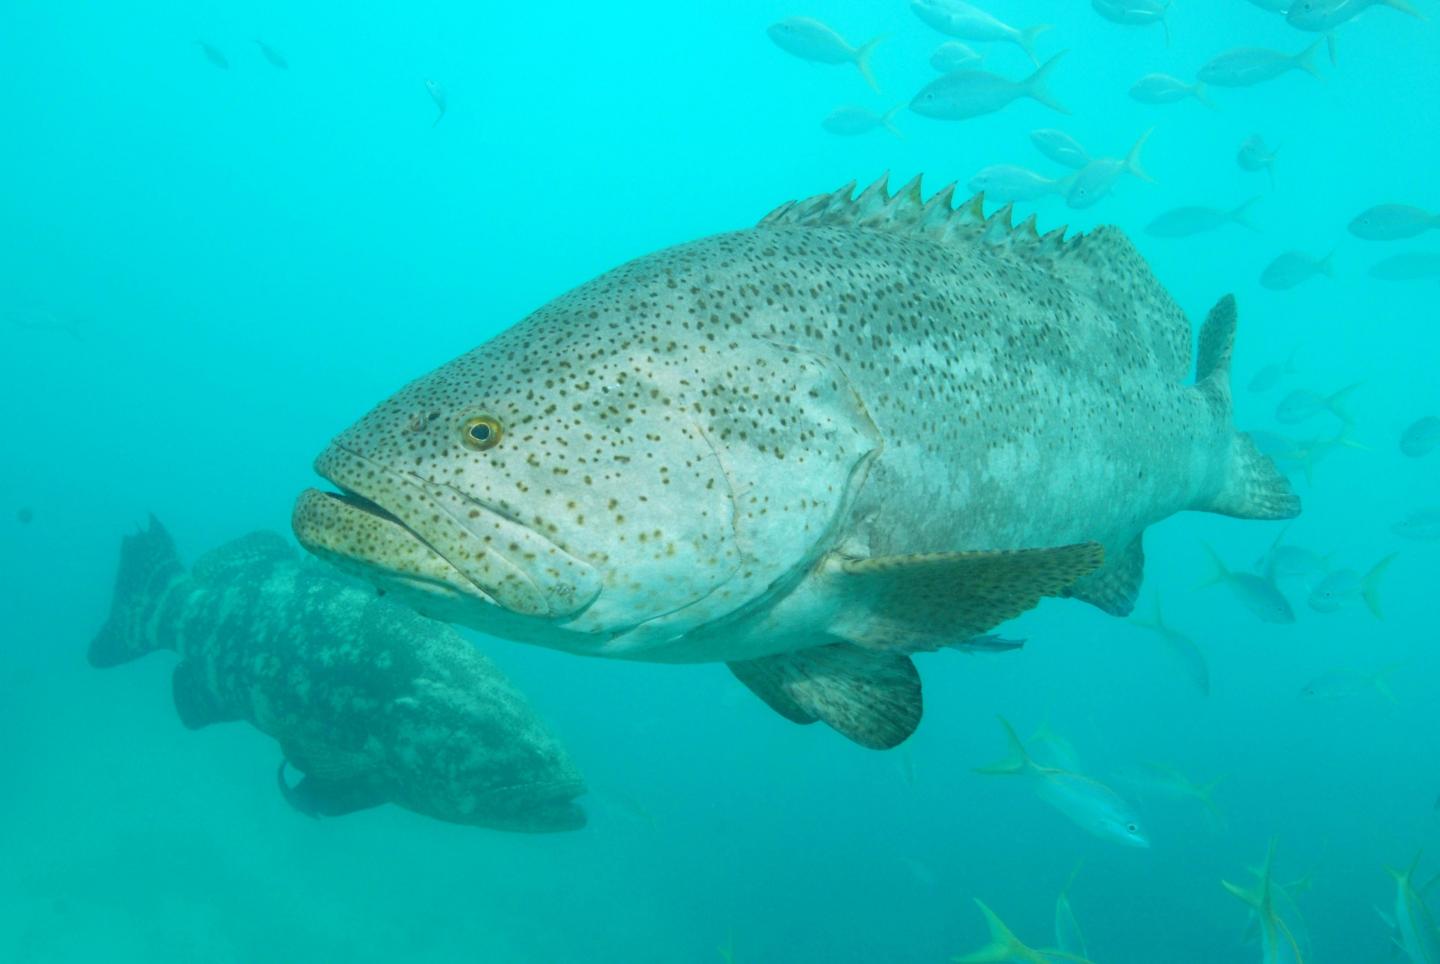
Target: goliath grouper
{"x": 866, "y": 427}
{"x": 370, "y": 701}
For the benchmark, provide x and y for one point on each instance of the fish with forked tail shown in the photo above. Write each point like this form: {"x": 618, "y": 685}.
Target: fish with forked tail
{"x": 370, "y": 701}
{"x": 865, "y": 428}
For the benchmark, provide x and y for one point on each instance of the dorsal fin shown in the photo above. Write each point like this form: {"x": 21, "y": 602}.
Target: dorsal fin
{"x": 907, "y": 211}
{"x": 1103, "y": 262}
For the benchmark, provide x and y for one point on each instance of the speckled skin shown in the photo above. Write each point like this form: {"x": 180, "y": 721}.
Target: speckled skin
{"x": 693, "y": 438}
{"x": 368, "y": 699}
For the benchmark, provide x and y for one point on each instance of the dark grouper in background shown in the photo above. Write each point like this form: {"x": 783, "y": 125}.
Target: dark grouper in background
{"x": 867, "y": 427}
{"x": 371, "y": 702}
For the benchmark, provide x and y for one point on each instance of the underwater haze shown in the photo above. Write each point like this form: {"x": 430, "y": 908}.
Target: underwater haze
{"x": 229, "y": 230}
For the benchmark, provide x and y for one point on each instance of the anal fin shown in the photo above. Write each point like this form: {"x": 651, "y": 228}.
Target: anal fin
{"x": 1115, "y": 586}
{"x": 871, "y": 698}
{"x": 923, "y": 602}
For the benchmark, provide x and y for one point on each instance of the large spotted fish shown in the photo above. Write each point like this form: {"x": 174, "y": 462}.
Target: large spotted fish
{"x": 866, "y": 427}
{"x": 369, "y": 702}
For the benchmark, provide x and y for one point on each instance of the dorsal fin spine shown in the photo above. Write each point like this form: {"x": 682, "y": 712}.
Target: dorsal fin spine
{"x": 907, "y": 211}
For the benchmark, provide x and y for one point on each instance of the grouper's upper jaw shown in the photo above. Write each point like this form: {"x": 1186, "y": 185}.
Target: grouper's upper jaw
{"x": 451, "y": 555}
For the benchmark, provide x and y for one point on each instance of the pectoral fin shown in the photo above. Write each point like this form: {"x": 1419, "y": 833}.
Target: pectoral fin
{"x": 868, "y": 697}
{"x": 317, "y": 797}
{"x": 923, "y": 602}
{"x": 194, "y": 701}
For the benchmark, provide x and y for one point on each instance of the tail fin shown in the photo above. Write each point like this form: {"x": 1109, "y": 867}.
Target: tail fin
{"x": 1305, "y": 59}
{"x": 148, "y": 562}
{"x": 862, "y": 61}
{"x": 1017, "y": 762}
{"x": 1370, "y": 585}
{"x": 887, "y": 120}
{"x": 1336, "y": 402}
{"x": 1132, "y": 159}
{"x": 1241, "y": 214}
{"x": 1327, "y": 264}
{"x": 1201, "y": 93}
{"x": 1219, "y": 572}
{"x": 1252, "y": 488}
{"x": 1205, "y": 793}
{"x": 1035, "y": 84}
{"x": 1026, "y": 40}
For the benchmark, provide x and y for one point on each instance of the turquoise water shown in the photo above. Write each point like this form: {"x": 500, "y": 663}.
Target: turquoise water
{"x": 206, "y": 273}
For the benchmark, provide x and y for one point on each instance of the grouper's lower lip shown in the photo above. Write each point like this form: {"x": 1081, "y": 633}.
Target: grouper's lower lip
{"x": 414, "y": 531}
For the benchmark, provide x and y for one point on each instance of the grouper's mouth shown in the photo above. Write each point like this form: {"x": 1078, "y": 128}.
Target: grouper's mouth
{"x": 402, "y": 531}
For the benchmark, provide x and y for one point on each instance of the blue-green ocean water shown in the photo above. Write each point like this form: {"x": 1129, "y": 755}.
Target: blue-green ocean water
{"x": 206, "y": 273}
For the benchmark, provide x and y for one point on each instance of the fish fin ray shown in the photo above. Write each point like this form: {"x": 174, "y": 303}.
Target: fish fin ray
{"x": 923, "y": 602}
{"x": 240, "y": 556}
{"x": 1114, "y": 587}
{"x": 148, "y": 563}
{"x": 1252, "y": 486}
{"x": 870, "y": 698}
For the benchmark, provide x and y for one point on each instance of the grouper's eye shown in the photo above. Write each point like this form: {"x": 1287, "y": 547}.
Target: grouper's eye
{"x": 482, "y": 432}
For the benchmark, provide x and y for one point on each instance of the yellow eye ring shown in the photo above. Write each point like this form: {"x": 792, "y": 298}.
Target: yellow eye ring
{"x": 481, "y": 432}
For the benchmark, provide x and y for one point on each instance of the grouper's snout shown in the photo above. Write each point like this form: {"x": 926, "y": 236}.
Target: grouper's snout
{"x": 397, "y": 527}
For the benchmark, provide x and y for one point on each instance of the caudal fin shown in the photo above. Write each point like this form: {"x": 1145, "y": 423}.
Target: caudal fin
{"x": 1370, "y": 585}
{"x": 1132, "y": 159}
{"x": 1202, "y": 93}
{"x": 862, "y": 61}
{"x": 148, "y": 563}
{"x": 1252, "y": 486}
{"x": 1036, "y": 85}
{"x": 1018, "y": 761}
{"x": 1305, "y": 59}
{"x": 1026, "y": 40}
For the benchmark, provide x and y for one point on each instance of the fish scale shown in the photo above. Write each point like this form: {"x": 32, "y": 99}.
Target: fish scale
{"x": 781, "y": 447}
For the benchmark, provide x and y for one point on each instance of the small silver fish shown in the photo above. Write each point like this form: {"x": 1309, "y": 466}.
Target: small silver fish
{"x": 1320, "y": 16}
{"x": 1341, "y": 684}
{"x": 971, "y": 93}
{"x": 1272, "y": 374}
{"x": 1258, "y": 594}
{"x": 1060, "y": 147}
{"x": 1247, "y": 66}
{"x": 1418, "y": 936}
{"x": 968, "y": 22}
{"x": 1411, "y": 266}
{"x": 1186, "y": 221}
{"x": 953, "y": 55}
{"x": 853, "y": 121}
{"x": 1345, "y": 586}
{"x": 1285, "y": 561}
{"x": 275, "y": 57}
{"x": 1180, "y": 646}
{"x": 1254, "y": 156}
{"x": 213, "y": 54}
{"x": 1095, "y": 180}
{"x": 989, "y": 643}
{"x": 1302, "y": 404}
{"x": 1165, "y": 89}
{"x": 437, "y": 94}
{"x": 1087, "y": 803}
{"x": 1392, "y": 222}
{"x": 1294, "y": 268}
{"x": 816, "y": 42}
{"x": 1135, "y": 13}
{"x": 1007, "y": 182}
{"x": 1421, "y": 437}
{"x": 1422, "y": 525}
